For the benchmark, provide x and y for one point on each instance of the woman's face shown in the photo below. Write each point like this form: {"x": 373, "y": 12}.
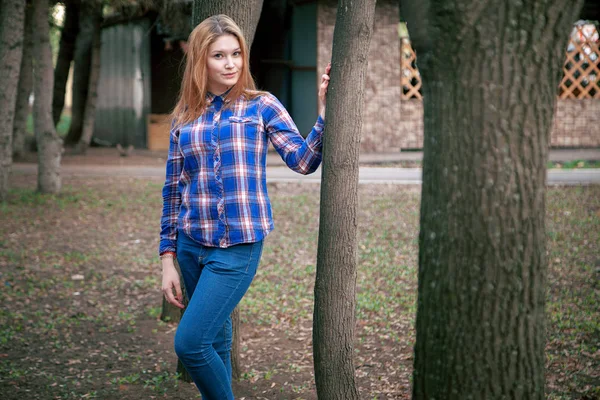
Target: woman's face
{"x": 224, "y": 64}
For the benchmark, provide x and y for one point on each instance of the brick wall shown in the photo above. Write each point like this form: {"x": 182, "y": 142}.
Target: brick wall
{"x": 381, "y": 116}
{"x": 576, "y": 123}
{"x": 410, "y": 130}
{"x": 390, "y": 125}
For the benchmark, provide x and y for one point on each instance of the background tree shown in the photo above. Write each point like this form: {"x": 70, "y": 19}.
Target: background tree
{"x": 335, "y": 285}
{"x": 48, "y": 142}
{"x": 25, "y": 87}
{"x": 89, "y": 115}
{"x": 68, "y": 35}
{"x": 245, "y": 13}
{"x": 490, "y": 75}
{"x": 12, "y": 22}
{"x": 90, "y": 18}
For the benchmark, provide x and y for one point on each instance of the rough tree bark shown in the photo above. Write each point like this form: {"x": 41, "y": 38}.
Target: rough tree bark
{"x": 48, "y": 142}
{"x": 90, "y": 13}
{"x": 89, "y": 116}
{"x": 335, "y": 285}
{"x": 66, "y": 50}
{"x": 245, "y": 13}
{"x": 25, "y": 87}
{"x": 489, "y": 95}
{"x": 12, "y": 22}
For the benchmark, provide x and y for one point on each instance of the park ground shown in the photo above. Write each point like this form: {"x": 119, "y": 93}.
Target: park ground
{"x": 81, "y": 293}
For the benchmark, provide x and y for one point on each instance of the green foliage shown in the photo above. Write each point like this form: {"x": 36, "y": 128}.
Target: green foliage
{"x": 62, "y": 128}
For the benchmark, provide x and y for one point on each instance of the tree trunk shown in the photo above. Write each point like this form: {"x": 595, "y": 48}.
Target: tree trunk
{"x": 48, "y": 142}
{"x": 335, "y": 285}
{"x": 235, "y": 344}
{"x": 88, "y": 16}
{"x": 22, "y": 108}
{"x": 65, "y": 57}
{"x": 489, "y": 96}
{"x": 184, "y": 375}
{"x": 169, "y": 312}
{"x": 90, "y": 107}
{"x": 12, "y": 22}
{"x": 245, "y": 13}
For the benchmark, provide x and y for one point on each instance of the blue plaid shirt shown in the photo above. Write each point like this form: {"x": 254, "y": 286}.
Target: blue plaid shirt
{"x": 215, "y": 189}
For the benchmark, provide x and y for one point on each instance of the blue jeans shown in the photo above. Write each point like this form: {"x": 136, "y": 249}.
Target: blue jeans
{"x": 215, "y": 280}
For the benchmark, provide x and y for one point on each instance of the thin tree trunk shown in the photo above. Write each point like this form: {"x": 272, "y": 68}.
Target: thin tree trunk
{"x": 90, "y": 107}
{"x": 66, "y": 50}
{"x": 489, "y": 95}
{"x": 184, "y": 375}
{"x": 22, "y": 108}
{"x": 12, "y": 22}
{"x": 245, "y": 13}
{"x": 236, "y": 339}
{"x": 48, "y": 142}
{"x": 169, "y": 312}
{"x": 335, "y": 285}
{"x": 88, "y": 13}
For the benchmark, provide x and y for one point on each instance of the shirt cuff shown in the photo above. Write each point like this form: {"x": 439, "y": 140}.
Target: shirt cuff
{"x": 315, "y": 138}
{"x": 167, "y": 246}
{"x": 320, "y": 124}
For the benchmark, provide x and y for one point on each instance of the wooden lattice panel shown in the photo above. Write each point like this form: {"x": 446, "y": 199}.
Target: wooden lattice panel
{"x": 410, "y": 78}
{"x": 582, "y": 65}
{"x": 581, "y": 78}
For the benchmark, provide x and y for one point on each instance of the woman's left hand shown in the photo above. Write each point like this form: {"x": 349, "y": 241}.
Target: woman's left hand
{"x": 323, "y": 90}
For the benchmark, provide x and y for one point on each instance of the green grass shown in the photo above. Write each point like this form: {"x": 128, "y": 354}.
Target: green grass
{"x": 574, "y": 164}
{"x": 106, "y": 231}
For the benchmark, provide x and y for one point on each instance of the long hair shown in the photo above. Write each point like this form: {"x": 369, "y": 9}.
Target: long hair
{"x": 192, "y": 95}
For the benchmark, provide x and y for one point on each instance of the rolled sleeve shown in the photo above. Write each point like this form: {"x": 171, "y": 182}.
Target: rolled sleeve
{"x": 299, "y": 154}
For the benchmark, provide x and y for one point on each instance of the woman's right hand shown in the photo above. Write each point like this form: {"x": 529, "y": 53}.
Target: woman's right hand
{"x": 323, "y": 90}
{"x": 170, "y": 283}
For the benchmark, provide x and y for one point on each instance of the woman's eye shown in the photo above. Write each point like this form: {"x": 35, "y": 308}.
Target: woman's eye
{"x": 218, "y": 55}
{"x": 237, "y": 53}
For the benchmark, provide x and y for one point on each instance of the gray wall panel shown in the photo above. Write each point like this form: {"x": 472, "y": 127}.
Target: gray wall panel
{"x": 124, "y": 86}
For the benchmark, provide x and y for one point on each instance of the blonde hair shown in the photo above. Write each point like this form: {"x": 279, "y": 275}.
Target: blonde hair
{"x": 192, "y": 95}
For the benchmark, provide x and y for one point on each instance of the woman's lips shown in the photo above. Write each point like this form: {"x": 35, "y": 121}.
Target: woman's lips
{"x": 231, "y": 75}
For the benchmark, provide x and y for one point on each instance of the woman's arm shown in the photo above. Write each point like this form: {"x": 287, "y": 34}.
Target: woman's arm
{"x": 171, "y": 196}
{"x": 301, "y": 155}
{"x": 171, "y": 285}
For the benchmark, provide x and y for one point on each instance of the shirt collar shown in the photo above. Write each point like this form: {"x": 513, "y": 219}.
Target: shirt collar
{"x": 211, "y": 97}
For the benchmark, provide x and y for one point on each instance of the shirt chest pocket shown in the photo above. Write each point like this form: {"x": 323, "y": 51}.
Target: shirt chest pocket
{"x": 245, "y": 127}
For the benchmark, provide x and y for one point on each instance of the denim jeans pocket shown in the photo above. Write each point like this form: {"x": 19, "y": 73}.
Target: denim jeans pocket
{"x": 245, "y": 257}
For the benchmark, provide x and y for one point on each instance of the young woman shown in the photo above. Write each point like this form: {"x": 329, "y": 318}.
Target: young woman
{"x": 216, "y": 211}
